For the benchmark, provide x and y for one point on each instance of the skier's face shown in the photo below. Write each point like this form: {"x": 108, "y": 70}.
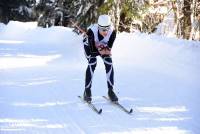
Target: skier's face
{"x": 103, "y": 30}
{"x": 103, "y": 33}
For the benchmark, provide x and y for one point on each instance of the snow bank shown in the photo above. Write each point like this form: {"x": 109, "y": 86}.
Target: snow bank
{"x": 31, "y": 33}
{"x": 152, "y": 52}
{"x": 159, "y": 54}
{"x": 41, "y": 45}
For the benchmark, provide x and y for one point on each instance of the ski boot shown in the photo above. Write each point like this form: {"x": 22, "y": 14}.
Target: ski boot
{"x": 87, "y": 95}
{"x": 112, "y": 95}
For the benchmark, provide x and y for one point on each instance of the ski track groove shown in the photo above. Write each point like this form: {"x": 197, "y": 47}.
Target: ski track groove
{"x": 74, "y": 127}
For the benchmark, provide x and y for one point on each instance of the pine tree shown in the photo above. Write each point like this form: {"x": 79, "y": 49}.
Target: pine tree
{"x": 16, "y": 10}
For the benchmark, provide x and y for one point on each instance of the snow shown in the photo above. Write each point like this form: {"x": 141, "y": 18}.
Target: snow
{"x": 42, "y": 73}
{"x": 168, "y": 26}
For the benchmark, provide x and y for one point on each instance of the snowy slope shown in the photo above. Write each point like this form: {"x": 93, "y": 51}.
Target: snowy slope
{"x": 42, "y": 73}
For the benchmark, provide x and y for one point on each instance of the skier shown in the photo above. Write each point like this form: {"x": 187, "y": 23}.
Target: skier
{"x": 98, "y": 41}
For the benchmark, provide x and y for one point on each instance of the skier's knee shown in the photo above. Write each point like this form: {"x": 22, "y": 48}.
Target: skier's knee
{"x": 108, "y": 60}
{"x": 92, "y": 61}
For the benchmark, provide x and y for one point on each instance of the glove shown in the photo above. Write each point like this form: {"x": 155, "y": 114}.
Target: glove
{"x": 105, "y": 51}
{"x": 100, "y": 47}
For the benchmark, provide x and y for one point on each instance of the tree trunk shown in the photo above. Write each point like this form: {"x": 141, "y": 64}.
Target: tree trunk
{"x": 195, "y": 33}
{"x": 187, "y": 19}
{"x": 183, "y": 18}
{"x": 115, "y": 13}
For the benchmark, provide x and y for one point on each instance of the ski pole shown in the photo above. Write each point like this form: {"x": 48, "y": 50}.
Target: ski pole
{"x": 76, "y": 26}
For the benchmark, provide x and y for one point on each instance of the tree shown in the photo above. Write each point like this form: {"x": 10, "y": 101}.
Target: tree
{"x": 195, "y": 8}
{"x": 4, "y": 11}
{"x": 16, "y": 10}
{"x": 195, "y": 33}
{"x": 187, "y": 18}
{"x": 183, "y": 18}
{"x": 123, "y": 12}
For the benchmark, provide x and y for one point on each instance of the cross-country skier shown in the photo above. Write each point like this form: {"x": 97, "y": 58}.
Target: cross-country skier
{"x": 98, "y": 41}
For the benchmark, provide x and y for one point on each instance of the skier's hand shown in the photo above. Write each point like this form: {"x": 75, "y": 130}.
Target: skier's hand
{"x": 102, "y": 52}
{"x": 100, "y": 46}
{"x": 105, "y": 51}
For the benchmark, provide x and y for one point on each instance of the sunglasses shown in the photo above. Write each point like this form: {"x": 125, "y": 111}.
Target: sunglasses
{"x": 104, "y": 29}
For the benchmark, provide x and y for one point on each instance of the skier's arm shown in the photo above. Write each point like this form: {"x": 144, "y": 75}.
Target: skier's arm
{"x": 107, "y": 50}
{"x": 112, "y": 39}
{"x": 91, "y": 41}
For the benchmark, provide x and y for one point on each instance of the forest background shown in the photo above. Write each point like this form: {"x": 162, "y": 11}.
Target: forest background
{"x": 177, "y": 18}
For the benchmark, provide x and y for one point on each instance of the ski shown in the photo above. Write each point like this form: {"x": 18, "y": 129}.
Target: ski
{"x": 91, "y": 105}
{"x": 119, "y": 105}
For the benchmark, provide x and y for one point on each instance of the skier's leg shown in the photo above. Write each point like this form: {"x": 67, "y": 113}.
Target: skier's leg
{"x": 92, "y": 62}
{"x": 109, "y": 71}
{"x": 110, "y": 77}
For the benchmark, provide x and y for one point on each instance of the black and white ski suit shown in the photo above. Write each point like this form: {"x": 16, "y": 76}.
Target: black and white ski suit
{"x": 94, "y": 37}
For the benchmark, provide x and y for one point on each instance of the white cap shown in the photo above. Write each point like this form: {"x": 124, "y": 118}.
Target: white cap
{"x": 104, "y": 20}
